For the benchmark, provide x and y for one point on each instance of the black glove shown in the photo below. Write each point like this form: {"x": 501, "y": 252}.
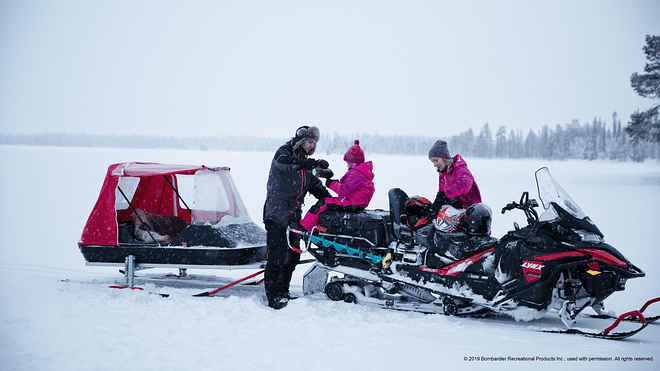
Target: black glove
{"x": 440, "y": 199}
{"x": 309, "y": 163}
{"x": 323, "y": 164}
{"x": 328, "y": 181}
{"x": 456, "y": 203}
{"x": 323, "y": 173}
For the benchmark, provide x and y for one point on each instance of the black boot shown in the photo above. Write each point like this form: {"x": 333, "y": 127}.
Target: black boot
{"x": 278, "y": 302}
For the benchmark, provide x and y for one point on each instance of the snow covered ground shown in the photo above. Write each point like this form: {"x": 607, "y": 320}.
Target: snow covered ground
{"x": 58, "y": 314}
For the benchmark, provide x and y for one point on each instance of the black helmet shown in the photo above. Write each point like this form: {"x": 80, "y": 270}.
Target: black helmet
{"x": 477, "y": 220}
{"x": 416, "y": 209}
{"x": 417, "y": 205}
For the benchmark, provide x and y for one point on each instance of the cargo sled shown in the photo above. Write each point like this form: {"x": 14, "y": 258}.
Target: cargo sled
{"x": 151, "y": 215}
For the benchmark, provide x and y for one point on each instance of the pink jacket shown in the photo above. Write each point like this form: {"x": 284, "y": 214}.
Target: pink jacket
{"x": 356, "y": 187}
{"x": 458, "y": 181}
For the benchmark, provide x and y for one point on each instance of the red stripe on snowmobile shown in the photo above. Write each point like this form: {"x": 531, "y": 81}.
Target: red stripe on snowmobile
{"x": 604, "y": 256}
{"x": 594, "y": 265}
{"x": 458, "y": 267}
{"x": 559, "y": 255}
{"x": 533, "y": 267}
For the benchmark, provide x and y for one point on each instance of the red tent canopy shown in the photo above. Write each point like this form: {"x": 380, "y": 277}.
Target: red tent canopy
{"x": 147, "y": 186}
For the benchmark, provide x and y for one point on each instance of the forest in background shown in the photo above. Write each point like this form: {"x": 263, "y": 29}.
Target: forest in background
{"x": 574, "y": 141}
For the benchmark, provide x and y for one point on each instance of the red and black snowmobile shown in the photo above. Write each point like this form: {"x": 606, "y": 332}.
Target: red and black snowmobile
{"x": 559, "y": 261}
{"x": 151, "y": 215}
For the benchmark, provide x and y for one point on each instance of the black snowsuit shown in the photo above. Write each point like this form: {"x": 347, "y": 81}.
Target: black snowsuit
{"x": 289, "y": 181}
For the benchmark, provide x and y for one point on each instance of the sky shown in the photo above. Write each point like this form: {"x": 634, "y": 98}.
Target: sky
{"x": 264, "y": 68}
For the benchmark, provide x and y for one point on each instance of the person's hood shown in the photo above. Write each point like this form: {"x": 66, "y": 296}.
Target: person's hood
{"x": 366, "y": 168}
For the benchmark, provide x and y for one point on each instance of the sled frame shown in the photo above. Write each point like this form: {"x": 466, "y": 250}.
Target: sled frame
{"x": 131, "y": 266}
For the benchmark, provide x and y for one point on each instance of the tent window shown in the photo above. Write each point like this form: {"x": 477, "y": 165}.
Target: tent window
{"x": 128, "y": 185}
{"x": 210, "y": 193}
{"x": 186, "y": 187}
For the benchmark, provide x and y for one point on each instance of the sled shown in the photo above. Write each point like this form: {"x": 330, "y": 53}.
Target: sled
{"x": 151, "y": 215}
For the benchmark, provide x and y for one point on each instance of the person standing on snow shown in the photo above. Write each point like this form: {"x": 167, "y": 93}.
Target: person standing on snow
{"x": 355, "y": 188}
{"x": 457, "y": 186}
{"x": 289, "y": 180}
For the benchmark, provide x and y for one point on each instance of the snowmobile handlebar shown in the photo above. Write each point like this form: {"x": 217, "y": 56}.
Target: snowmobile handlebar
{"x": 509, "y": 207}
{"x": 525, "y": 204}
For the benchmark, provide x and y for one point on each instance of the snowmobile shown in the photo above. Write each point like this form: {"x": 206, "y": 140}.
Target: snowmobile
{"x": 559, "y": 261}
{"x": 151, "y": 215}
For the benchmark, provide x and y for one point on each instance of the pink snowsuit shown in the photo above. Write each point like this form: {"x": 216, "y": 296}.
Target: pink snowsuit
{"x": 458, "y": 181}
{"x": 356, "y": 187}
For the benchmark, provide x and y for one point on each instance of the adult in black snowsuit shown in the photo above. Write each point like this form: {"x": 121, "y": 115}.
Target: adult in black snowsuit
{"x": 289, "y": 180}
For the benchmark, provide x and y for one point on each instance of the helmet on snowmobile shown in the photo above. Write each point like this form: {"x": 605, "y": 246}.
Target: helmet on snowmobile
{"x": 448, "y": 219}
{"x": 477, "y": 219}
{"x": 416, "y": 209}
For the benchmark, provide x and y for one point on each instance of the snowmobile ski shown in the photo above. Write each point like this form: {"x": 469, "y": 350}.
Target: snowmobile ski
{"x": 607, "y": 333}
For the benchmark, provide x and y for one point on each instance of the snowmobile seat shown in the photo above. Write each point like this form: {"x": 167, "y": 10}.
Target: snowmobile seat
{"x": 348, "y": 208}
{"x": 397, "y": 198}
{"x": 369, "y": 224}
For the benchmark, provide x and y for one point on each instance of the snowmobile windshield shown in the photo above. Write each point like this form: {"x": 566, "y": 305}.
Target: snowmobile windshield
{"x": 560, "y": 206}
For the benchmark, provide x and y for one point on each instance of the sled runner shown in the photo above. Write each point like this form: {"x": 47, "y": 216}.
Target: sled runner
{"x": 151, "y": 215}
{"x": 558, "y": 262}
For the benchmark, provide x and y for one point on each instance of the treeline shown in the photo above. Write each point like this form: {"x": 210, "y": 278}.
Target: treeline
{"x": 330, "y": 143}
{"x": 588, "y": 141}
{"x": 229, "y": 143}
{"x": 575, "y": 141}
{"x": 581, "y": 141}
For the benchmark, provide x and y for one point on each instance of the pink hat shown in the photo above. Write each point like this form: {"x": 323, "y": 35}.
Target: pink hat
{"x": 354, "y": 154}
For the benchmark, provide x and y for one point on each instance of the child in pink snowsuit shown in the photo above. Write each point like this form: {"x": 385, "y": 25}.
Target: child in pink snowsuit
{"x": 356, "y": 187}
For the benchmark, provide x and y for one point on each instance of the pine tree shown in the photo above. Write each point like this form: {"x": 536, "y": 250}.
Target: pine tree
{"x": 645, "y": 125}
{"x": 545, "y": 144}
{"x": 463, "y": 143}
{"x": 531, "y": 145}
{"x": 484, "y": 144}
{"x": 501, "y": 146}
{"x": 515, "y": 144}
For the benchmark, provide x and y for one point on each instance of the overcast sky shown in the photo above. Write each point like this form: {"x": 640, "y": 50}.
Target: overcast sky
{"x": 433, "y": 68}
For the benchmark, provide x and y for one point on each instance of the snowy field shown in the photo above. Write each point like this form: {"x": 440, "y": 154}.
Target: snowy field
{"x": 56, "y": 313}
